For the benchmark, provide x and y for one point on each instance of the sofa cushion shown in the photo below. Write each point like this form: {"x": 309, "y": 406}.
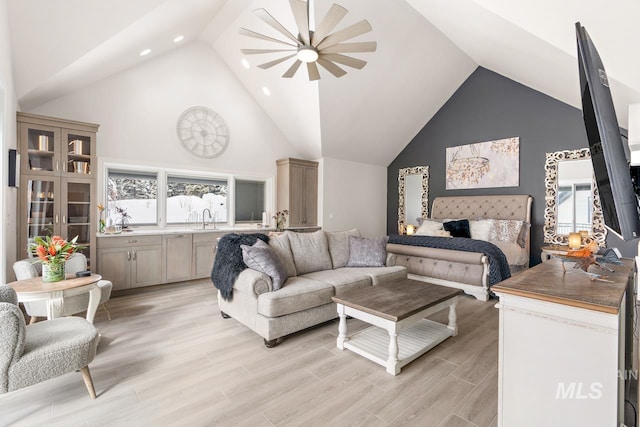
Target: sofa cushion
{"x": 342, "y": 280}
{"x": 310, "y": 251}
{"x": 296, "y": 295}
{"x": 380, "y": 275}
{"x": 339, "y": 246}
{"x": 365, "y": 252}
{"x": 262, "y": 258}
{"x": 281, "y": 246}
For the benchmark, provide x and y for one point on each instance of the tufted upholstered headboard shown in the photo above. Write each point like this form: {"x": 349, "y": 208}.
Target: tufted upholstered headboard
{"x": 480, "y": 207}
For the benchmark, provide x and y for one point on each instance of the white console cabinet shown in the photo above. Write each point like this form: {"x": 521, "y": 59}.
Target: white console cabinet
{"x": 562, "y": 347}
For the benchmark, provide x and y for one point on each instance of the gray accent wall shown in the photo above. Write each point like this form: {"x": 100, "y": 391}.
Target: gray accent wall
{"x": 486, "y": 107}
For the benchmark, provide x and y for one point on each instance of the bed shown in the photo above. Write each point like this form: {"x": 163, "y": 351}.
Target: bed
{"x": 468, "y": 264}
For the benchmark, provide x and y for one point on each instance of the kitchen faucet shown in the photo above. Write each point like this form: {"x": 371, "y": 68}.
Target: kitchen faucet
{"x": 204, "y": 221}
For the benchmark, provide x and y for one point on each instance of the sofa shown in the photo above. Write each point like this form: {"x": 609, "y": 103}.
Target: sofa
{"x": 318, "y": 266}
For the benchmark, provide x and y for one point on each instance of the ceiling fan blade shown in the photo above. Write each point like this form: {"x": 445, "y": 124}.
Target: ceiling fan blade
{"x": 270, "y": 20}
{"x": 344, "y": 60}
{"x": 312, "y": 69}
{"x": 292, "y": 70}
{"x": 260, "y": 51}
{"x": 249, "y": 33}
{"x": 331, "y": 67}
{"x": 350, "y": 32}
{"x": 275, "y": 62}
{"x": 333, "y": 17}
{"x": 301, "y": 15}
{"x": 351, "y": 47}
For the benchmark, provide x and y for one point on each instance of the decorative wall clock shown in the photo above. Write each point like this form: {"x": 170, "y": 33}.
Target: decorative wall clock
{"x": 203, "y": 132}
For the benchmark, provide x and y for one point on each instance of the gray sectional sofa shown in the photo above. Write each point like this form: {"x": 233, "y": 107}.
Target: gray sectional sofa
{"x": 316, "y": 265}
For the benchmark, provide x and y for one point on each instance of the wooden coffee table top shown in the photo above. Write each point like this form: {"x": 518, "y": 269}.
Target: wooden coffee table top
{"x": 396, "y": 300}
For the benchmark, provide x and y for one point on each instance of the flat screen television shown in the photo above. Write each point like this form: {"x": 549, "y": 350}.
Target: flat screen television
{"x": 610, "y": 165}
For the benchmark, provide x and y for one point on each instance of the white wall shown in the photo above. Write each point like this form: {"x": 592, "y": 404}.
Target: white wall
{"x": 354, "y": 195}
{"x": 138, "y": 108}
{"x": 8, "y": 106}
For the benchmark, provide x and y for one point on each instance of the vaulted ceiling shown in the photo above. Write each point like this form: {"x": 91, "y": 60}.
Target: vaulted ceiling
{"x": 426, "y": 49}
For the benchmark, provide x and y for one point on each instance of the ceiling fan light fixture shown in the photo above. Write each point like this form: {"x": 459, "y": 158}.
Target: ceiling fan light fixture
{"x": 307, "y": 54}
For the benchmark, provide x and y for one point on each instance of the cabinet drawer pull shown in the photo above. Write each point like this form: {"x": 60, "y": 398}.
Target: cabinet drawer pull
{"x": 132, "y": 241}
{"x": 64, "y": 219}
{"x": 128, "y": 256}
{"x": 179, "y": 236}
{"x": 134, "y": 255}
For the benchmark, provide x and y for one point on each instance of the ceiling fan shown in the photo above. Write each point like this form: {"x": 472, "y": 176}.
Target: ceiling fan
{"x": 313, "y": 46}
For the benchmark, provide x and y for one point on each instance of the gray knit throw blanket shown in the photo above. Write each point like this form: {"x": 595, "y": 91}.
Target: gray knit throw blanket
{"x": 228, "y": 263}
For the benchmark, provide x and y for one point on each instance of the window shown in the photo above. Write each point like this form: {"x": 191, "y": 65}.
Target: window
{"x": 249, "y": 201}
{"x": 133, "y": 193}
{"x": 574, "y": 208}
{"x": 187, "y": 199}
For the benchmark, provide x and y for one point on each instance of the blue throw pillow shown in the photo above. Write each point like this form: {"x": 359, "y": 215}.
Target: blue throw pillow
{"x": 459, "y": 228}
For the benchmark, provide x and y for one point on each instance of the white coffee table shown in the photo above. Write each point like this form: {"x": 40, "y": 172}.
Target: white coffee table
{"x": 397, "y": 311}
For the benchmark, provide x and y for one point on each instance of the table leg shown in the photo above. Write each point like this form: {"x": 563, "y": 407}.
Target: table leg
{"x": 452, "y": 317}
{"x": 392, "y": 362}
{"x": 94, "y": 300}
{"x": 54, "y": 305}
{"x": 342, "y": 327}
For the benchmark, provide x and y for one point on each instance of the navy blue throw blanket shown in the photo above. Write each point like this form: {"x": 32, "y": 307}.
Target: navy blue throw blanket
{"x": 498, "y": 264}
{"x": 229, "y": 263}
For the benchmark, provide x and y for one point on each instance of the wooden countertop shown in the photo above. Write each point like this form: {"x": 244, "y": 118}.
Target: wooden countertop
{"x": 547, "y": 282}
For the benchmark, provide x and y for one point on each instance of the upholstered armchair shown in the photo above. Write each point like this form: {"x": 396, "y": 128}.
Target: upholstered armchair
{"x": 31, "y": 267}
{"x": 36, "y": 353}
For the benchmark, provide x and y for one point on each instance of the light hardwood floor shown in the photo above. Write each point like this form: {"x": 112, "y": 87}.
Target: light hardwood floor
{"x": 168, "y": 359}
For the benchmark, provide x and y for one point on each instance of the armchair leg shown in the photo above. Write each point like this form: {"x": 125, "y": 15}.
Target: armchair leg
{"x": 86, "y": 376}
{"x": 106, "y": 308}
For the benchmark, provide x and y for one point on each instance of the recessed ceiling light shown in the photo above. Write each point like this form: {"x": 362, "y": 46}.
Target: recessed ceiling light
{"x": 145, "y": 52}
{"x": 178, "y": 39}
{"x": 266, "y": 90}
{"x": 245, "y": 63}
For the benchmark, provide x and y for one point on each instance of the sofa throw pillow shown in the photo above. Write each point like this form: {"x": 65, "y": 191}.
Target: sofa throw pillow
{"x": 262, "y": 258}
{"x": 459, "y": 228}
{"x": 339, "y": 246}
{"x": 364, "y": 252}
{"x": 429, "y": 228}
{"x": 480, "y": 229}
{"x": 310, "y": 251}
{"x": 505, "y": 230}
{"x": 281, "y": 246}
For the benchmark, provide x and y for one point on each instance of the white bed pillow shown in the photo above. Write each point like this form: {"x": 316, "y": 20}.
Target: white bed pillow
{"x": 429, "y": 228}
{"x": 481, "y": 229}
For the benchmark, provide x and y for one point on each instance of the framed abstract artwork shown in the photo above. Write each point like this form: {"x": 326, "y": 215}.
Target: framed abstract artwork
{"x": 484, "y": 164}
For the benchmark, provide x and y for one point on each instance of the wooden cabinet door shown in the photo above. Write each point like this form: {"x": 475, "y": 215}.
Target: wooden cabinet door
{"x": 204, "y": 254}
{"x": 310, "y": 194}
{"x": 296, "y": 195}
{"x": 39, "y": 149}
{"x": 115, "y": 265}
{"x": 177, "y": 253}
{"x": 146, "y": 266}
